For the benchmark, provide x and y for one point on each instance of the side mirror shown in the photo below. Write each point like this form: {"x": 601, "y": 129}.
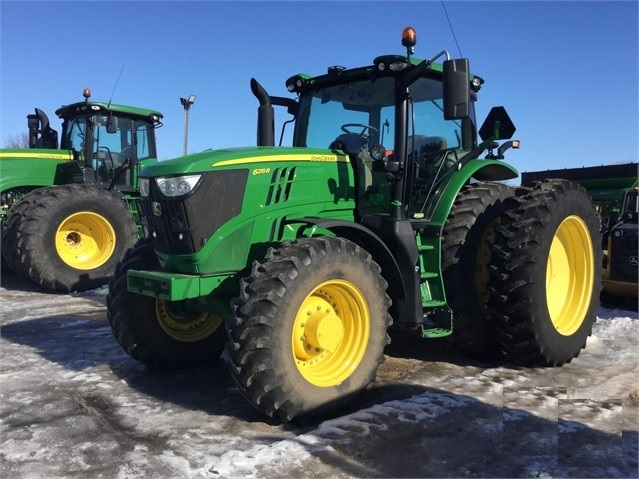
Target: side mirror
{"x": 456, "y": 89}
{"x": 112, "y": 124}
{"x": 290, "y": 104}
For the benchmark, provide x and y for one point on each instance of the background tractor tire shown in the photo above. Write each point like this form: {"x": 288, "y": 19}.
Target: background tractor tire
{"x": 154, "y": 331}
{"x": 68, "y": 237}
{"x": 9, "y": 232}
{"x": 310, "y": 328}
{"x": 466, "y": 251}
{"x": 546, "y": 274}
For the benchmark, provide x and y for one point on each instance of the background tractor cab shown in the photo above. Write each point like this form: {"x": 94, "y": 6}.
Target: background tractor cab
{"x": 106, "y": 140}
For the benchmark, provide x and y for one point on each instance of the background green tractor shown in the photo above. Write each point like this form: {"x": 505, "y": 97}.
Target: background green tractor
{"x": 69, "y": 213}
{"x": 300, "y": 258}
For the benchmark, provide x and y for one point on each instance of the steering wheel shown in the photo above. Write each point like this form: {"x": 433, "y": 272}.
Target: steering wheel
{"x": 371, "y": 129}
{"x": 108, "y": 155}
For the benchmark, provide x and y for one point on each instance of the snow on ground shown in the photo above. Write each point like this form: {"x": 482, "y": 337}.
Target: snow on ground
{"x": 73, "y": 404}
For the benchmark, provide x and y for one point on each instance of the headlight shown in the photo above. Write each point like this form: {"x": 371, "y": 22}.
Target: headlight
{"x": 144, "y": 187}
{"x": 177, "y": 185}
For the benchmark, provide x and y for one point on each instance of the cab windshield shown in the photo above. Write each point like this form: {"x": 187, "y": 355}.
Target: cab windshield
{"x": 108, "y": 143}
{"x": 370, "y": 105}
{"x": 129, "y": 139}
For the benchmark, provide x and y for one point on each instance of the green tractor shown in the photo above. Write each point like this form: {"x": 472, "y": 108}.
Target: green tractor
{"x": 293, "y": 262}
{"x": 69, "y": 213}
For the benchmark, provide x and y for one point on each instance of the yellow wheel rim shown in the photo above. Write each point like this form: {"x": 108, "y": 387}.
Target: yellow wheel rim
{"x": 85, "y": 240}
{"x": 570, "y": 275}
{"x": 482, "y": 274}
{"x": 330, "y": 333}
{"x": 185, "y": 328}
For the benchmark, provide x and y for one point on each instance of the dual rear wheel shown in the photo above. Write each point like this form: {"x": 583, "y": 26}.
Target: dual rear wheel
{"x": 546, "y": 277}
{"x": 530, "y": 258}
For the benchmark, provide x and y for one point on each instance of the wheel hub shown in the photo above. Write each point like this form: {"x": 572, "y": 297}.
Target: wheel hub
{"x": 73, "y": 238}
{"x": 320, "y": 329}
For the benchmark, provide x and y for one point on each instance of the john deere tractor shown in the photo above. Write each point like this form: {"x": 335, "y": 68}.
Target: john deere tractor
{"x": 69, "y": 213}
{"x": 297, "y": 260}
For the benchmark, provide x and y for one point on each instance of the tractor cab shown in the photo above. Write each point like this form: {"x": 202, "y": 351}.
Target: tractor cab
{"x": 108, "y": 140}
{"x": 386, "y": 140}
{"x": 407, "y": 126}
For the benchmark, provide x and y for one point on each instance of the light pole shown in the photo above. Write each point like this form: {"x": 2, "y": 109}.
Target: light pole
{"x": 186, "y": 103}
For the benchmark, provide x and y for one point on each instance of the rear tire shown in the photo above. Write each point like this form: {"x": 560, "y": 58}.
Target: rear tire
{"x": 68, "y": 237}
{"x": 546, "y": 279}
{"x": 310, "y": 328}
{"x": 466, "y": 254}
{"x": 154, "y": 331}
{"x": 9, "y": 231}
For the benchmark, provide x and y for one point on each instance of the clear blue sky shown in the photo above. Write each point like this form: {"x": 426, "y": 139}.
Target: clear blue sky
{"x": 565, "y": 71}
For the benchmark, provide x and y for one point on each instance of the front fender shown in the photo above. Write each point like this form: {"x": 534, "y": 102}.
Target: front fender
{"x": 371, "y": 242}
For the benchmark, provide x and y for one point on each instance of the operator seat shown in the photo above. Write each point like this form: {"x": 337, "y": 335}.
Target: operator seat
{"x": 428, "y": 149}
{"x": 356, "y": 146}
{"x": 426, "y": 144}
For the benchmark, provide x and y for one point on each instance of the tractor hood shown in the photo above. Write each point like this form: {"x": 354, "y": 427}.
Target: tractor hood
{"x": 254, "y": 158}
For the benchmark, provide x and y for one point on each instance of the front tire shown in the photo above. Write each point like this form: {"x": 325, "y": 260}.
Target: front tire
{"x": 546, "y": 279}
{"x": 68, "y": 237}
{"x": 310, "y": 328}
{"x": 156, "y": 332}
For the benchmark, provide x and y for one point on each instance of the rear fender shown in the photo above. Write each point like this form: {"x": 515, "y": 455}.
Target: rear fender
{"x": 480, "y": 170}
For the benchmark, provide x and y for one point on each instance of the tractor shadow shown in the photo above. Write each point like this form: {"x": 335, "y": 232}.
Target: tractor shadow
{"x": 410, "y": 346}
{"x": 626, "y": 303}
{"x": 12, "y": 282}
{"x": 83, "y": 343}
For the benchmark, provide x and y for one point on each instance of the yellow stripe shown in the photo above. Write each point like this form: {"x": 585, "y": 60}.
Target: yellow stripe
{"x": 270, "y": 159}
{"x": 46, "y": 156}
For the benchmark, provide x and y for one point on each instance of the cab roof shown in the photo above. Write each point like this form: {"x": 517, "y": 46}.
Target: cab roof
{"x": 94, "y": 107}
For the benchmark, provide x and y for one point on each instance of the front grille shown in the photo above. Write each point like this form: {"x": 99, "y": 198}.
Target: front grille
{"x": 280, "y": 187}
{"x": 183, "y": 224}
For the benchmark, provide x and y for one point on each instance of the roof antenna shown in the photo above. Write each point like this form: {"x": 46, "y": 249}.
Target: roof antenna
{"x": 451, "y": 29}
{"x": 116, "y": 85}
